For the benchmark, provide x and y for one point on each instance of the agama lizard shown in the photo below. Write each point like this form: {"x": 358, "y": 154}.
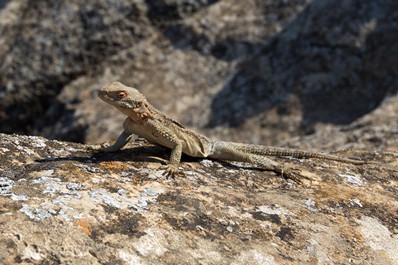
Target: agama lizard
{"x": 146, "y": 121}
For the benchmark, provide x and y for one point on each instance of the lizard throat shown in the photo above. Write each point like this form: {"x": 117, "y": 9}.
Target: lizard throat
{"x": 141, "y": 120}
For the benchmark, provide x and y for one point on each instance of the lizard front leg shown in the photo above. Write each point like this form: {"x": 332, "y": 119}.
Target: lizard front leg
{"x": 166, "y": 137}
{"x": 121, "y": 141}
{"x": 171, "y": 169}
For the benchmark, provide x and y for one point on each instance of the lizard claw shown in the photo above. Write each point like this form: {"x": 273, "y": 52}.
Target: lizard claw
{"x": 171, "y": 171}
{"x": 100, "y": 148}
{"x": 95, "y": 147}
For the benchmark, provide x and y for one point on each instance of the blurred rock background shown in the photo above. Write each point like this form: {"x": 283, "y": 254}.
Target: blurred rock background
{"x": 254, "y": 71}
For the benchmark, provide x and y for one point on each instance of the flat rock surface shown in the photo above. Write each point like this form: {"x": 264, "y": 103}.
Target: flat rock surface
{"x": 64, "y": 203}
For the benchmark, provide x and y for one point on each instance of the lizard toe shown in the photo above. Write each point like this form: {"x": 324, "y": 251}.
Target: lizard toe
{"x": 171, "y": 171}
{"x": 296, "y": 177}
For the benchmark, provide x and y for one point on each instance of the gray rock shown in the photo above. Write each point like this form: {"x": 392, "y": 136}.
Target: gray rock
{"x": 255, "y": 71}
{"x": 223, "y": 215}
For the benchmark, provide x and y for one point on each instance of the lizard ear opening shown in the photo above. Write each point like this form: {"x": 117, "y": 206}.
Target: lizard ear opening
{"x": 121, "y": 94}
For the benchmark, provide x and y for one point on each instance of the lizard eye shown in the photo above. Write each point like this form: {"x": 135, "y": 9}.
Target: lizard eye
{"x": 121, "y": 94}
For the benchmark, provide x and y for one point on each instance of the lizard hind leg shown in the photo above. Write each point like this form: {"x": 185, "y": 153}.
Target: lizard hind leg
{"x": 286, "y": 172}
{"x": 226, "y": 151}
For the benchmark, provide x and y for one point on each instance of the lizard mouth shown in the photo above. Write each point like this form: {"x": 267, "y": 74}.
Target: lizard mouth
{"x": 102, "y": 95}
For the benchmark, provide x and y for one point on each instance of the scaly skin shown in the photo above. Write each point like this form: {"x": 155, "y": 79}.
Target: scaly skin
{"x": 146, "y": 121}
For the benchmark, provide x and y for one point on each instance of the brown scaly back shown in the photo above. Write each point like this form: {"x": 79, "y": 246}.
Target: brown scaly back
{"x": 158, "y": 115}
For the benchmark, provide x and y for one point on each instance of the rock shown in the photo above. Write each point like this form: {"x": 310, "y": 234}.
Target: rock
{"x": 317, "y": 75}
{"x": 256, "y": 71}
{"x": 47, "y": 45}
{"x": 322, "y": 68}
{"x": 85, "y": 207}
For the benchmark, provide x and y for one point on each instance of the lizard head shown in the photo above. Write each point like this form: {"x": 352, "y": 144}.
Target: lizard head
{"x": 124, "y": 98}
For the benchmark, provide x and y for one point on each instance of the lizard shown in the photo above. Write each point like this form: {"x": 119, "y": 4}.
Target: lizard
{"x": 146, "y": 121}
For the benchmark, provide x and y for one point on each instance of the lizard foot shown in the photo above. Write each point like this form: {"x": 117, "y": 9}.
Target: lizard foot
{"x": 289, "y": 174}
{"x": 171, "y": 171}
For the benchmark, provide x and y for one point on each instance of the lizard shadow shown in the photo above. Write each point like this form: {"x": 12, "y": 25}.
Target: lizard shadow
{"x": 247, "y": 166}
{"x": 134, "y": 154}
{"x": 154, "y": 153}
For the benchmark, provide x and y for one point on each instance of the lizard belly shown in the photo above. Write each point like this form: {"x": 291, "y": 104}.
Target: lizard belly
{"x": 192, "y": 144}
{"x": 145, "y": 131}
{"x": 195, "y": 145}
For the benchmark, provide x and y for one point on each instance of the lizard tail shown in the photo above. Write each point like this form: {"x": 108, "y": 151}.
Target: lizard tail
{"x": 278, "y": 151}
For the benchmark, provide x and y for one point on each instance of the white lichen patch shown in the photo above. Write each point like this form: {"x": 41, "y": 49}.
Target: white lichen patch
{"x": 68, "y": 200}
{"x": 310, "y": 205}
{"x": 274, "y": 209}
{"x": 25, "y": 150}
{"x": 191, "y": 174}
{"x": 356, "y": 202}
{"x": 74, "y": 149}
{"x": 149, "y": 192}
{"x": 152, "y": 174}
{"x": 51, "y": 185}
{"x": 103, "y": 197}
{"x": 4, "y": 150}
{"x": 36, "y": 214}
{"x": 22, "y": 144}
{"x": 30, "y": 253}
{"x": 207, "y": 162}
{"x": 38, "y": 142}
{"x": 44, "y": 180}
{"x": 52, "y": 188}
{"x": 6, "y": 186}
{"x": 20, "y": 197}
{"x": 121, "y": 201}
{"x": 352, "y": 179}
{"x": 74, "y": 186}
{"x": 126, "y": 174}
{"x": 88, "y": 169}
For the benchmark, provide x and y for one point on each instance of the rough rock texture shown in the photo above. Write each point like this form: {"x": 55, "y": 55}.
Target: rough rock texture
{"x": 62, "y": 203}
{"x": 376, "y": 131}
{"x": 257, "y": 71}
